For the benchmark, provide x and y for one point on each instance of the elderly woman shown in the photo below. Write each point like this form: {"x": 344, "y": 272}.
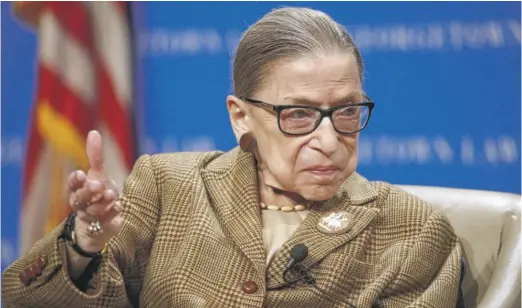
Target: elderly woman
{"x": 281, "y": 221}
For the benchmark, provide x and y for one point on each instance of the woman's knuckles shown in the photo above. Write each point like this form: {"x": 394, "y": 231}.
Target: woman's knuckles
{"x": 109, "y": 194}
{"x": 96, "y": 198}
{"x": 95, "y": 186}
{"x": 97, "y": 209}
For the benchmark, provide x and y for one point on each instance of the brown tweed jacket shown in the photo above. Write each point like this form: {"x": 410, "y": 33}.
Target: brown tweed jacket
{"x": 192, "y": 237}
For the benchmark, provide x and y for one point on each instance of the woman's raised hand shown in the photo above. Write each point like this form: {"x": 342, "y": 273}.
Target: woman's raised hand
{"x": 93, "y": 196}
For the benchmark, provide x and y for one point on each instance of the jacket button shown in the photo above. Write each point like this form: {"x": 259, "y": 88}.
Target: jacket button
{"x": 26, "y": 280}
{"x": 42, "y": 262}
{"x": 36, "y": 269}
{"x": 250, "y": 287}
{"x": 29, "y": 271}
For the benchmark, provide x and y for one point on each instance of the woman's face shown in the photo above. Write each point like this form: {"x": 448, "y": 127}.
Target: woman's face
{"x": 316, "y": 164}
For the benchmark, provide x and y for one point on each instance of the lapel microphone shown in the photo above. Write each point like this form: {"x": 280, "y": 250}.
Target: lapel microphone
{"x": 297, "y": 255}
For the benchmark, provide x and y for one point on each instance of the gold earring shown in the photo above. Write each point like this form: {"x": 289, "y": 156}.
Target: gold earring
{"x": 247, "y": 142}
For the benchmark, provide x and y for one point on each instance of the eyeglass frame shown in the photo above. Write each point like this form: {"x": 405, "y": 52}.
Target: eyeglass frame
{"x": 324, "y": 113}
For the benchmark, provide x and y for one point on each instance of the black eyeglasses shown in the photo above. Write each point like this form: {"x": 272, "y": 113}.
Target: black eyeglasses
{"x": 300, "y": 120}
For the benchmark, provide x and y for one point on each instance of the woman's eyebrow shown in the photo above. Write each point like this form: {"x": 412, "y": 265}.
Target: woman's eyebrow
{"x": 303, "y": 100}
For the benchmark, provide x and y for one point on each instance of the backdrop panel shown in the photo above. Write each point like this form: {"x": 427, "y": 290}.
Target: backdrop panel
{"x": 445, "y": 77}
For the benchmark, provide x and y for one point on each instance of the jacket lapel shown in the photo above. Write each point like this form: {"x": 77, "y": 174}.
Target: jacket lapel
{"x": 231, "y": 184}
{"x": 355, "y": 197}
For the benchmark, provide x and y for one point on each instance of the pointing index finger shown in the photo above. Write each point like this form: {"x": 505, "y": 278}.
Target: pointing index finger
{"x": 94, "y": 149}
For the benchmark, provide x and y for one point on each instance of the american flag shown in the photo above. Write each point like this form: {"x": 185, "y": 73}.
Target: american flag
{"x": 84, "y": 82}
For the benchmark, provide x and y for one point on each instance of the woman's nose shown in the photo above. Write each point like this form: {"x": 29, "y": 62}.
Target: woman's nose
{"x": 327, "y": 139}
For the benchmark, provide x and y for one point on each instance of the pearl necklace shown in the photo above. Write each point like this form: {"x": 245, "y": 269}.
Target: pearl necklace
{"x": 286, "y": 208}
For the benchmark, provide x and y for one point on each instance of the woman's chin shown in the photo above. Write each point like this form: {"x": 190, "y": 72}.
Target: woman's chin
{"x": 318, "y": 192}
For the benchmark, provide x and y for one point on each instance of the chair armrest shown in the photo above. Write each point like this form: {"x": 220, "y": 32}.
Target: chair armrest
{"x": 504, "y": 288}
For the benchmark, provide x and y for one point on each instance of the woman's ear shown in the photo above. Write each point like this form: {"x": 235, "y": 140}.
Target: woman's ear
{"x": 238, "y": 116}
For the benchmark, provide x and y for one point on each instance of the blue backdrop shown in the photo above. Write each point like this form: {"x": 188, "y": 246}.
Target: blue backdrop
{"x": 445, "y": 77}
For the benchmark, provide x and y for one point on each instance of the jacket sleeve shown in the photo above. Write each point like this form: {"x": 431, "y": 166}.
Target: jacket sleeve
{"x": 431, "y": 274}
{"x": 119, "y": 276}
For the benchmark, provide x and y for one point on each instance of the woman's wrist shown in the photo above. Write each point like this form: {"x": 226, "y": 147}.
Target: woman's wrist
{"x": 81, "y": 245}
{"x": 80, "y": 253}
{"x": 76, "y": 264}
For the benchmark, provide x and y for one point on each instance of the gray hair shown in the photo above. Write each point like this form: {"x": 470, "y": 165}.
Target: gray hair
{"x": 286, "y": 34}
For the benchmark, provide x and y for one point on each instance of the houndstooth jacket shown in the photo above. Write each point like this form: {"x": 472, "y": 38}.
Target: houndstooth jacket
{"x": 192, "y": 237}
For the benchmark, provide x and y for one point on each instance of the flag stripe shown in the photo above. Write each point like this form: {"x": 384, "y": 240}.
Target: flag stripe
{"x": 35, "y": 211}
{"x": 115, "y": 162}
{"x": 122, "y": 6}
{"x": 35, "y": 146}
{"x": 65, "y": 101}
{"x": 110, "y": 30}
{"x": 73, "y": 17}
{"x": 62, "y": 54}
{"x": 58, "y": 208}
{"x": 116, "y": 118}
{"x": 61, "y": 134}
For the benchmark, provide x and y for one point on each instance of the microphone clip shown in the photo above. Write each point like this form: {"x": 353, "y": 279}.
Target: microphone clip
{"x": 300, "y": 274}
